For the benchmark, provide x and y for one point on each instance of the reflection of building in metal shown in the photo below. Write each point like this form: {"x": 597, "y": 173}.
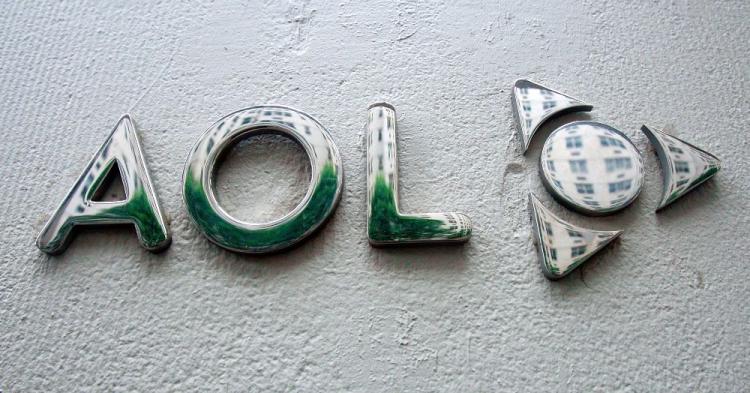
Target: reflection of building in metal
{"x": 121, "y": 151}
{"x": 533, "y": 104}
{"x": 386, "y": 224}
{"x": 684, "y": 166}
{"x": 563, "y": 246}
{"x": 591, "y": 167}
{"x": 319, "y": 202}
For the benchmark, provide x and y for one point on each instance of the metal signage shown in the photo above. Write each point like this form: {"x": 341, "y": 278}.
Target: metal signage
{"x": 319, "y": 202}
{"x": 590, "y": 168}
{"x": 385, "y": 223}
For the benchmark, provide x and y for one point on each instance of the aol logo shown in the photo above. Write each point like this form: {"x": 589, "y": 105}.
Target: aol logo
{"x": 589, "y": 167}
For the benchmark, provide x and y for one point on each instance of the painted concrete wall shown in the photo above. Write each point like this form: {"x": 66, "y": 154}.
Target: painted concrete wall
{"x": 664, "y": 309}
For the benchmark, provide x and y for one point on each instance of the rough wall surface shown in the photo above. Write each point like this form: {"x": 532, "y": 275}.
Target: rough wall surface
{"x": 663, "y": 309}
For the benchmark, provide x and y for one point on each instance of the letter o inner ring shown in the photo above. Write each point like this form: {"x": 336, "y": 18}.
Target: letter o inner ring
{"x": 319, "y": 202}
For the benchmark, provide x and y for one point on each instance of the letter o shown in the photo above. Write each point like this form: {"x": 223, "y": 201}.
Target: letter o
{"x": 319, "y": 202}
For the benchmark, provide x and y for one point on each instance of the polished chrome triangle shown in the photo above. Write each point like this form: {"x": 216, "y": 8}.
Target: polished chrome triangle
{"x": 683, "y": 165}
{"x": 533, "y": 104}
{"x": 563, "y": 246}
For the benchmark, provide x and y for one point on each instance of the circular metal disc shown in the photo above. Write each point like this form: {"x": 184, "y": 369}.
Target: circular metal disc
{"x": 591, "y": 168}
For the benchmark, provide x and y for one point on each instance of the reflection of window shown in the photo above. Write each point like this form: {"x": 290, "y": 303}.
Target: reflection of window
{"x": 577, "y": 251}
{"x": 675, "y": 149}
{"x": 681, "y": 182}
{"x": 557, "y": 183}
{"x": 573, "y": 142}
{"x": 551, "y": 165}
{"x": 574, "y": 233}
{"x": 681, "y": 166}
{"x": 578, "y": 166}
{"x": 591, "y": 203}
{"x": 547, "y": 228}
{"x": 528, "y": 122}
{"x": 608, "y": 141}
{"x": 620, "y": 186}
{"x": 618, "y": 163}
{"x": 526, "y": 106}
{"x": 610, "y": 162}
{"x": 548, "y": 105}
{"x": 585, "y": 188}
{"x": 553, "y": 254}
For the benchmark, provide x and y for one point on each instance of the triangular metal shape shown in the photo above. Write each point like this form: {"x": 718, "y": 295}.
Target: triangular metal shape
{"x": 683, "y": 165}
{"x": 533, "y": 104}
{"x": 563, "y": 246}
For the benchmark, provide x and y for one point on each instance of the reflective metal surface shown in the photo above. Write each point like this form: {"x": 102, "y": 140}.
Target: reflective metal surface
{"x": 683, "y": 165}
{"x": 140, "y": 206}
{"x": 591, "y": 168}
{"x": 385, "y": 223}
{"x": 533, "y": 104}
{"x": 563, "y": 246}
{"x": 317, "y": 205}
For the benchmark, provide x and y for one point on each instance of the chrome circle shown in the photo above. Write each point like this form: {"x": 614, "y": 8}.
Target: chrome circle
{"x": 318, "y": 204}
{"x": 591, "y": 168}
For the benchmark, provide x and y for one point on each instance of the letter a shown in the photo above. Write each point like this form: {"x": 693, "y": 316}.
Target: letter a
{"x": 385, "y": 223}
{"x": 121, "y": 150}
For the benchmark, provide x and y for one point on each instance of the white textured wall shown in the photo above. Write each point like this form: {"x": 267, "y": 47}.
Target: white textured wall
{"x": 664, "y": 309}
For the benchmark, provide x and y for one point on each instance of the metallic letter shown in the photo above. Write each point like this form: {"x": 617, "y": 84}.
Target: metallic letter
{"x": 385, "y": 223}
{"x": 140, "y": 206}
{"x": 317, "y": 205}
